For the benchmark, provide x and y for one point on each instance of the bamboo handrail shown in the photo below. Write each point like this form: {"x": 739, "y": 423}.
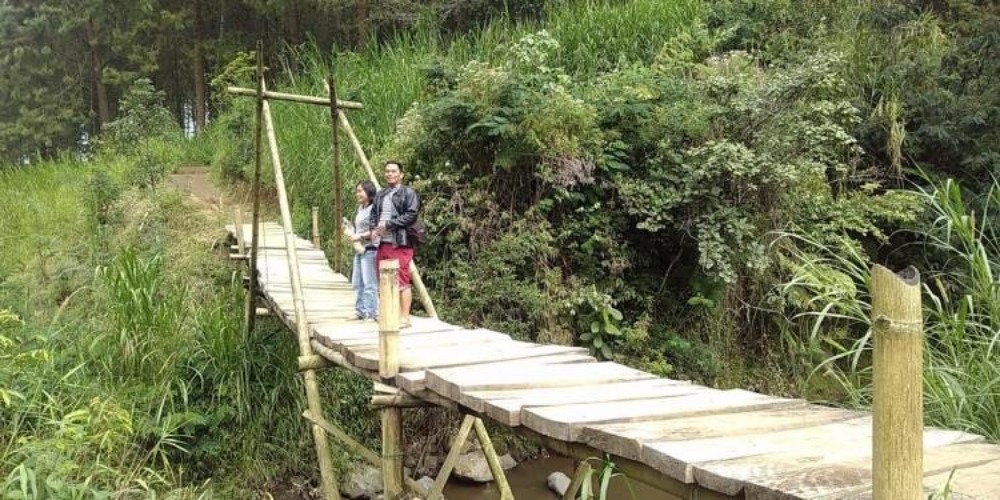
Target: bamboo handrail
{"x": 284, "y": 96}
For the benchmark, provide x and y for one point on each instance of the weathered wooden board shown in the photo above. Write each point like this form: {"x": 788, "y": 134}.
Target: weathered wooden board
{"x": 454, "y": 343}
{"x": 342, "y": 330}
{"x": 731, "y": 475}
{"x": 626, "y": 439}
{"x": 853, "y": 478}
{"x": 452, "y": 382}
{"x": 460, "y": 353}
{"x": 566, "y": 422}
{"x": 416, "y": 380}
{"x": 980, "y": 482}
{"x": 507, "y": 410}
{"x": 476, "y": 400}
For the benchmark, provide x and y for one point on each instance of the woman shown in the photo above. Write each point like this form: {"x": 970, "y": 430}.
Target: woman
{"x": 363, "y": 275}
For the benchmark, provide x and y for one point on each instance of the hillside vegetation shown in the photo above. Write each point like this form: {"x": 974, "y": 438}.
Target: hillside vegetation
{"x": 696, "y": 189}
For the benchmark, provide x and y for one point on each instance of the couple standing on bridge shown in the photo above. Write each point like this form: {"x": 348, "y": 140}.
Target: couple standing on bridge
{"x": 385, "y": 227}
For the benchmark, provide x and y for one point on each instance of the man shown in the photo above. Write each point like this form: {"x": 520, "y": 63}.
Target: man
{"x": 394, "y": 210}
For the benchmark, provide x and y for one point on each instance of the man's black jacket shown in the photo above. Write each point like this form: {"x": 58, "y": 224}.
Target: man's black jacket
{"x": 407, "y": 205}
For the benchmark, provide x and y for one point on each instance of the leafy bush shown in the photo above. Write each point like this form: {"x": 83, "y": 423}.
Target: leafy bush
{"x": 142, "y": 116}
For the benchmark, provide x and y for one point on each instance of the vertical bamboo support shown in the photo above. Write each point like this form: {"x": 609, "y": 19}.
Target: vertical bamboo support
{"x": 388, "y": 318}
{"x": 582, "y": 474}
{"x": 251, "y": 303}
{"x": 301, "y": 322}
{"x": 388, "y": 367}
{"x": 238, "y": 222}
{"x": 897, "y": 468}
{"x": 315, "y": 227}
{"x": 493, "y": 460}
{"x": 338, "y": 183}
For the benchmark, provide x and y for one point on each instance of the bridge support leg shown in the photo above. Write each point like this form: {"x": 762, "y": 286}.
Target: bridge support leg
{"x": 582, "y": 474}
{"x": 388, "y": 367}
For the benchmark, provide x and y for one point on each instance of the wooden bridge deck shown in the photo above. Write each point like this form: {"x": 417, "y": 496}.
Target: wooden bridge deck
{"x": 693, "y": 441}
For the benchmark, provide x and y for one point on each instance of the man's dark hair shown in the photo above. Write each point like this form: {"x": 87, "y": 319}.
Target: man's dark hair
{"x": 393, "y": 162}
{"x": 369, "y": 189}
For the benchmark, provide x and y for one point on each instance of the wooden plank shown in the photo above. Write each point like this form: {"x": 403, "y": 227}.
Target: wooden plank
{"x": 731, "y": 475}
{"x": 852, "y": 477}
{"x": 626, "y": 439}
{"x": 982, "y": 481}
{"x": 452, "y": 382}
{"x": 421, "y": 355}
{"x": 415, "y": 381}
{"x": 505, "y": 406}
{"x": 567, "y": 421}
{"x": 362, "y": 353}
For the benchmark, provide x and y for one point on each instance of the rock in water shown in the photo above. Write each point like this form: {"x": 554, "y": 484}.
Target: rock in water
{"x": 426, "y": 482}
{"x": 473, "y": 467}
{"x": 363, "y": 482}
{"x": 559, "y": 483}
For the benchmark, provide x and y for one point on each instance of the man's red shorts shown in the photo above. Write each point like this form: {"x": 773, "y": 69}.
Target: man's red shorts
{"x": 388, "y": 251}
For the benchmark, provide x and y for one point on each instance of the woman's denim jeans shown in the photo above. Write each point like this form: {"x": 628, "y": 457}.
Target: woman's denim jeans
{"x": 365, "y": 284}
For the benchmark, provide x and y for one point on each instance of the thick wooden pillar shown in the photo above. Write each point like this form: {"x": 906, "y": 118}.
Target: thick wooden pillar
{"x": 388, "y": 367}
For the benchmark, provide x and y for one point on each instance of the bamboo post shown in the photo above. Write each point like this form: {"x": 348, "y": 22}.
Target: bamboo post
{"x": 238, "y": 222}
{"x": 338, "y": 183}
{"x": 388, "y": 319}
{"x": 582, "y": 474}
{"x": 493, "y": 460}
{"x": 301, "y": 322}
{"x": 897, "y": 434}
{"x": 451, "y": 459}
{"x": 251, "y": 303}
{"x": 315, "y": 227}
{"x": 388, "y": 367}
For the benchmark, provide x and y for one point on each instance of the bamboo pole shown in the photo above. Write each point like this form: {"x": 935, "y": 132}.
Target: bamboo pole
{"x": 388, "y": 367}
{"x": 493, "y": 460}
{"x": 451, "y": 459}
{"x": 238, "y": 222}
{"x": 315, "y": 227}
{"x": 329, "y": 482}
{"x": 251, "y": 302}
{"x": 338, "y": 183}
{"x": 398, "y": 400}
{"x": 305, "y": 99}
{"x": 898, "y": 425}
{"x": 582, "y": 474}
{"x": 388, "y": 319}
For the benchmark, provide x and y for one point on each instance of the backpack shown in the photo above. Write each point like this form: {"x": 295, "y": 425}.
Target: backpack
{"x": 416, "y": 235}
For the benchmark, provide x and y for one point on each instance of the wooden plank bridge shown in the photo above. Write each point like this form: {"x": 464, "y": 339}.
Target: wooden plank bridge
{"x": 687, "y": 440}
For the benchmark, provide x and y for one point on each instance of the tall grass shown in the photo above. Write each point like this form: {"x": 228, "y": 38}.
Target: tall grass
{"x": 388, "y": 78}
{"x": 961, "y": 291}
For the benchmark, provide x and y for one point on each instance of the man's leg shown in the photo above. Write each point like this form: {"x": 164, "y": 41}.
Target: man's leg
{"x": 405, "y": 299}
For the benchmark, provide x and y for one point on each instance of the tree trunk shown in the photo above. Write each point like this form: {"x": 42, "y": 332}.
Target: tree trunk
{"x": 361, "y": 19}
{"x": 200, "y": 89}
{"x": 103, "y": 106}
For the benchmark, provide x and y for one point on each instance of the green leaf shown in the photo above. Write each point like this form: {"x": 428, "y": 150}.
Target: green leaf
{"x": 595, "y": 326}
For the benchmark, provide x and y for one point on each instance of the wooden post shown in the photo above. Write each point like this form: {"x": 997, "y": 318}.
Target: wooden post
{"x": 388, "y": 367}
{"x": 451, "y": 459}
{"x": 315, "y": 227}
{"x": 388, "y": 319}
{"x": 582, "y": 474}
{"x": 238, "y": 222}
{"x": 338, "y": 183}
{"x": 493, "y": 460}
{"x": 898, "y": 425}
{"x": 251, "y": 303}
{"x": 329, "y": 482}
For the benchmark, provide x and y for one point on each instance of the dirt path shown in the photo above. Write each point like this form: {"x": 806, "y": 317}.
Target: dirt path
{"x": 196, "y": 182}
